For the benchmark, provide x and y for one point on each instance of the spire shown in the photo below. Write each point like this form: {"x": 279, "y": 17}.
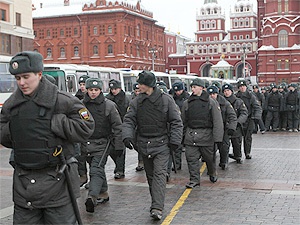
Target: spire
{"x": 210, "y": 1}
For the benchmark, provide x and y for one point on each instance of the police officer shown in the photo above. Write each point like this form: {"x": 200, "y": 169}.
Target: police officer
{"x": 254, "y": 114}
{"x": 180, "y": 95}
{"x": 203, "y": 127}
{"x": 82, "y": 89}
{"x": 273, "y": 106}
{"x": 229, "y": 121}
{"x": 150, "y": 114}
{"x": 107, "y": 128}
{"x": 41, "y": 123}
{"x": 282, "y": 114}
{"x": 292, "y": 105}
{"x": 242, "y": 116}
{"x": 261, "y": 100}
{"x": 117, "y": 95}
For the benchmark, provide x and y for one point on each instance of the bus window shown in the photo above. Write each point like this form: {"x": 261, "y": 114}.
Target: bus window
{"x": 59, "y": 76}
{"x": 71, "y": 83}
{"x": 8, "y": 83}
{"x": 128, "y": 83}
{"x": 104, "y": 76}
{"x": 115, "y": 75}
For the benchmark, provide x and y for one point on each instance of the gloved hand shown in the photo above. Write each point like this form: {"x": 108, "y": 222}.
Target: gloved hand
{"x": 230, "y": 132}
{"x": 256, "y": 121}
{"x": 128, "y": 142}
{"x": 172, "y": 147}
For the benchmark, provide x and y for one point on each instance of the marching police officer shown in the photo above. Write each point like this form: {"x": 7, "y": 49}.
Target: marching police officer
{"x": 107, "y": 129}
{"x": 242, "y": 116}
{"x": 292, "y": 105}
{"x": 80, "y": 93}
{"x": 118, "y": 96}
{"x": 41, "y": 124}
{"x": 229, "y": 121}
{"x": 261, "y": 100}
{"x": 203, "y": 127}
{"x": 149, "y": 116}
{"x": 254, "y": 114}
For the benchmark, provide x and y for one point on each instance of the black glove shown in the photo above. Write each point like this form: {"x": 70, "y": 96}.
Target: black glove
{"x": 128, "y": 143}
{"x": 256, "y": 121}
{"x": 173, "y": 147}
{"x": 230, "y": 132}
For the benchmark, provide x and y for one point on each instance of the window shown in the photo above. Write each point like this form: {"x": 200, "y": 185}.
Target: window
{"x": 286, "y": 6}
{"x": 49, "y": 53}
{"x": 48, "y": 33}
{"x": 279, "y": 6}
{"x": 282, "y": 39}
{"x": 18, "y": 19}
{"x": 3, "y": 14}
{"x": 207, "y": 38}
{"x": 279, "y": 64}
{"x": 138, "y": 30}
{"x": 4, "y": 43}
{"x": 95, "y": 30}
{"x": 76, "y": 51}
{"x": 75, "y": 31}
{"x": 110, "y": 49}
{"x": 286, "y": 64}
{"x": 234, "y": 37}
{"x": 19, "y": 44}
{"x": 241, "y": 36}
{"x": 247, "y": 36}
{"x": 200, "y": 38}
{"x": 95, "y": 50}
{"x": 109, "y": 30}
{"x": 215, "y": 38}
{"x": 62, "y": 52}
{"x": 62, "y": 33}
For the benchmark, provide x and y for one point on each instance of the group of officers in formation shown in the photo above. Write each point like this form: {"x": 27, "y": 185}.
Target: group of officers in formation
{"x": 51, "y": 132}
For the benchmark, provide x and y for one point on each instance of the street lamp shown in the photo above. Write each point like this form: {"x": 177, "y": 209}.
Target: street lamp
{"x": 153, "y": 51}
{"x": 244, "y": 61}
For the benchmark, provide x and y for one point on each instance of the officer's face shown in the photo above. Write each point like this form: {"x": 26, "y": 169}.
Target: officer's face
{"x": 227, "y": 93}
{"x": 82, "y": 87}
{"x": 115, "y": 91}
{"x": 144, "y": 88}
{"x": 214, "y": 95}
{"x": 178, "y": 92}
{"x": 28, "y": 82}
{"x": 93, "y": 92}
{"x": 137, "y": 91}
{"x": 243, "y": 88}
{"x": 197, "y": 90}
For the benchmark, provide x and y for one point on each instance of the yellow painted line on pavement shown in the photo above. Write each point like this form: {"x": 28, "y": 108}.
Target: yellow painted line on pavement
{"x": 180, "y": 201}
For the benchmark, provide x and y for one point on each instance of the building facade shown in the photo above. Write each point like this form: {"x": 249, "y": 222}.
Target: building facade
{"x": 119, "y": 34}
{"x": 16, "y": 32}
{"x": 236, "y": 48}
{"x": 279, "y": 41}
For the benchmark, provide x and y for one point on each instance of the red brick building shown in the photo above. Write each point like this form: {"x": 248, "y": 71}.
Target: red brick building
{"x": 279, "y": 41}
{"x": 119, "y": 34}
{"x": 237, "y": 47}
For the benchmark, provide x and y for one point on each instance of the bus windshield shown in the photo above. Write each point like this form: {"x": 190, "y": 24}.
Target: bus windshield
{"x": 60, "y": 79}
{"x": 8, "y": 82}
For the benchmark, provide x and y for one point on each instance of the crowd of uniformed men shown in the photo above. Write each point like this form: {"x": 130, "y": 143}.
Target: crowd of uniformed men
{"x": 41, "y": 123}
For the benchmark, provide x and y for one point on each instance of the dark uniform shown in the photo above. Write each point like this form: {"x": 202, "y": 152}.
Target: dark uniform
{"x": 261, "y": 100}
{"x": 242, "y": 116}
{"x": 203, "y": 127}
{"x": 81, "y": 155}
{"x": 273, "y": 106}
{"x": 108, "y": 128}
{"x": 292, "y": 106}
{"x": 149, "y": 116}
{"x": 36, "y": 122}
{"x": 229, "y": 122}
{"x": 254, "y": 113}
{"x": 122, "y": 102}
{"x": 282, "y": 114}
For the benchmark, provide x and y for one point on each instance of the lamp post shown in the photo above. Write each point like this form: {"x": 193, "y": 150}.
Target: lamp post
{"x": 153, "y": 51}
{"x": 244, "y": 61}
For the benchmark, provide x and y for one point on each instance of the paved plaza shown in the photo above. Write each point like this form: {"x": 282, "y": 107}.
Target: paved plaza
{"x": 264, "y": 190}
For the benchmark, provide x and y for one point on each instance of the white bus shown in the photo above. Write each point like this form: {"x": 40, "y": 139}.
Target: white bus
{"x": 8, "y": 83}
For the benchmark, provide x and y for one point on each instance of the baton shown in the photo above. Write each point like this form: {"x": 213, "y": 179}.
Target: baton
{"x": 104, "y": 153}
{"x": 173, "y": 160}
{"x": 64, "y": 169}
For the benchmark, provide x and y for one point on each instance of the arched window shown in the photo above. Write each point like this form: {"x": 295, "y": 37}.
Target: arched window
{"x": 138, "y": 30}
{"x": 62, "y": 33}
{"x": 110, "y": 49}
{"x": 109, "y": 29}
{"x": 282, "y": 39}
{"x": 95, "y": 50}
{"x": 62, "y": 52}
{"x": 137, "y": 51}
{"x": 76, "y": 51}
{"x": 49, "y": 53}
{"x": 75, "y": 31}
{"x": 95, "y": 30}
{"x": 48, "y": 33}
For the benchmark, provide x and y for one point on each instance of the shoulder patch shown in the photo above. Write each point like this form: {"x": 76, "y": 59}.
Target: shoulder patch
{"x": 84, "y": 114}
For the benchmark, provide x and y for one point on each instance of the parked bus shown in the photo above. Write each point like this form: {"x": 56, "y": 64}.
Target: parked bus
{"x": 8, "y": 83}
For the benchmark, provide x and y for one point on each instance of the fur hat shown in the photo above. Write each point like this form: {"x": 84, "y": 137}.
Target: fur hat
{"x": 135, "y": 86}
{"x": 83, "y": 79}
{"x": 227, "y": 86}
{"x": 25, "y": 62}
{"x": 255, "y": 86}
{"x": 114, "y": 84}
{"x": 198, "y": 82}
{"x": 242, "y": 83}
{"x": 212, "y": 89}
{"x": 217, "y": 84}
{"x": 178, "y": 86}
{"x": 93, "y": 83}
{"x": 147, "y": 78}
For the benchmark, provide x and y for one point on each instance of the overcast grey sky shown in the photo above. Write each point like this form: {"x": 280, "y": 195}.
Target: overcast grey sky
{"x": 180, "y": 15}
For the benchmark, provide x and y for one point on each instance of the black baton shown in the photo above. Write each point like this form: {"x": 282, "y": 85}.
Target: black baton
{"x": 104, "y": 153}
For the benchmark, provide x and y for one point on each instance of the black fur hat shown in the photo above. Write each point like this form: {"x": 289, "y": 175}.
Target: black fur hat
{"x": 147, "y": 78}
{"x": 26, "y": 62}
{"x": 83, "y": 79}
{"x": 114, "y": 84}
{"x": 93, "y": 83}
